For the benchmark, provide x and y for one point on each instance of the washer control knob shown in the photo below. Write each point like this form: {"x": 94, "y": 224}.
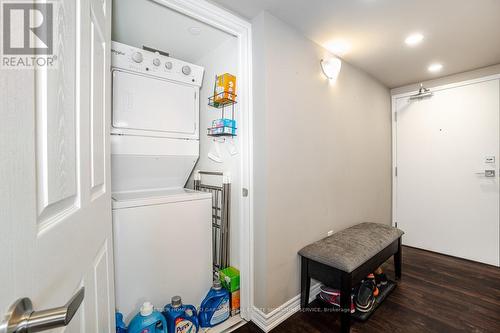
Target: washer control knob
{"x": 186, "y": 70}
{"x": 156, "y": 62}
{"x": 137, "y": 57}
{"x": 168, "y": 65}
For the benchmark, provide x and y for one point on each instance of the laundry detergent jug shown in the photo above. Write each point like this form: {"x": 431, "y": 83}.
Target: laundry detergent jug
{"x": 180, "y": 318}
{"x": 148, "y": 321}
{"x": 215, "y": 307}
{"x": 120, "y": 324}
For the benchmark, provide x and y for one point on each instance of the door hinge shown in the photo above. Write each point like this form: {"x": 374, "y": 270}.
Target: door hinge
{"x": 395, "y": 116}
{"x": 396, "y": 224}
{"x": 244, "y": 192}
{"x": 395, "y": 171}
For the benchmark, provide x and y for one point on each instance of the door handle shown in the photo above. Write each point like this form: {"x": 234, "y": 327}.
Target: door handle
{"x": 22, "y": 319}
{"x": 487, "y": 173}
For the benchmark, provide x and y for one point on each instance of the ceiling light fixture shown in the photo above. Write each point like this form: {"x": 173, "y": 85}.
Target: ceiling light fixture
{"x": 435, "y": 68}
{"x": 414, "y": 39}
{"x": 331, "y": 67}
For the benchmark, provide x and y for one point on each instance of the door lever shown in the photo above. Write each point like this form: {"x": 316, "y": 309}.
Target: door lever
{"x": 22, "y": 319}
{"x": 487, "y": 173}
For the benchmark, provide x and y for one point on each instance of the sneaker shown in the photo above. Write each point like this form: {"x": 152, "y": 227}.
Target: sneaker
{"x": 332, "y": 296}
{"x": 373, "y": 278}
{"x": 364, "y": 297}
{"x": 381, "y": 279}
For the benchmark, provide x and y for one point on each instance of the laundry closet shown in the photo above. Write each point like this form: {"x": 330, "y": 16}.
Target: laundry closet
{"x": 176, "y": 159}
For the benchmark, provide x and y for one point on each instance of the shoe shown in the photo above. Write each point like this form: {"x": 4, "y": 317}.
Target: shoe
{"x": 364, "y": 297}
{"x": 381, "y": 279}
{"x": 332, "y": 296}
{"x": 373, "y": 278}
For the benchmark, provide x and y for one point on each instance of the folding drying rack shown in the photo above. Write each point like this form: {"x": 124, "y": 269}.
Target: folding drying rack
{"x": 221, "y": 209}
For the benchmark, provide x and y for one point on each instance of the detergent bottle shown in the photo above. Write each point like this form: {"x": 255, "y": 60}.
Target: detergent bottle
{"x": 215, "y": 307}
{"x": 180, "y": 318}
{"x": 148, "y": 321}
{"x": 120, "y": 325}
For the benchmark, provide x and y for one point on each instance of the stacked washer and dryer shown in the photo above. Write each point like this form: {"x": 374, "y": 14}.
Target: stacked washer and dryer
{"x": 162, "y": 231}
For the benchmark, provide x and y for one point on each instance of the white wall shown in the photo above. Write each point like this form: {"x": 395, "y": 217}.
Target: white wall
{"x": 224, "y": 59}
{"x": 322, "y": 154}
{"x": 146, "y": 22}
{"x": 260, "y": 153}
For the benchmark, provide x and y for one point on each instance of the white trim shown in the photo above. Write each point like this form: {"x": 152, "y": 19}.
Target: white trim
{"x": 450, "y": 85}
{"x": 230, "y": 325}
{"x": 217, "y": 17}
{"x": 394, "y": 98}
{"x": 267, "y": 322}
{"x": 394, "y": 159}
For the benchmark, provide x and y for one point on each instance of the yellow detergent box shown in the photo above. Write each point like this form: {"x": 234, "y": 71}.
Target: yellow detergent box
{"x": 225, "y": 88}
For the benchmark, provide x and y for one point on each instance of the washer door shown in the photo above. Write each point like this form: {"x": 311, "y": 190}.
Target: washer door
{"x": 145, "y": 105}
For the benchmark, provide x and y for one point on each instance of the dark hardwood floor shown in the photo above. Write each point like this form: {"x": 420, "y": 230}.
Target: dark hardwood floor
{"x": 437, "y": 293}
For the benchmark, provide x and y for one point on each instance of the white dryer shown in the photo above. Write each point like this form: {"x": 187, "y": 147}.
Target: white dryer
{"x": 162, "y": 232}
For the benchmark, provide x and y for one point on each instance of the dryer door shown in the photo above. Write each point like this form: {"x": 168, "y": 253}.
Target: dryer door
{"x": 149, "y": 106}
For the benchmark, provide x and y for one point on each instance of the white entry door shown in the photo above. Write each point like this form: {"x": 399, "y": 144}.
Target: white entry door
{"x": 447, "y": 158}
{"x": 55, "y": 206}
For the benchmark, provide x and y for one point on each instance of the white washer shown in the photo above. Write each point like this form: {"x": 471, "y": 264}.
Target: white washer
{"x": 162, "y": 232}
{"x": 162, "y": 244}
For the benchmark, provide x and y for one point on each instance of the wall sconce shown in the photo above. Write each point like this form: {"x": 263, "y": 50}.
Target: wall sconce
{"x": 331, "y": 67}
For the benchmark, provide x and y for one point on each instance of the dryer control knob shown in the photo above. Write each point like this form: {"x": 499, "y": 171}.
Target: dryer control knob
{"x": 186, "y": 70}
{"x": 137, "y": 57}
{"x": 168, "y": 65}
{"x": 156, "y": 62}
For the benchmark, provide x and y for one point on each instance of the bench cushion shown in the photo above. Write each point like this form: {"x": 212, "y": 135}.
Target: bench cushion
{"x": 350, "y": 248}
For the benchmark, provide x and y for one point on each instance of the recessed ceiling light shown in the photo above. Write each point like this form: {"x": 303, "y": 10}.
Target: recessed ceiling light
{"x": 194, "y": 31}
{"x": 414, "y": 39}
{"x": 435, "y": 68}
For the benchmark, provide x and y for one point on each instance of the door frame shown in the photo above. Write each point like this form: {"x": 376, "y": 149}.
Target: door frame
{"x": 394, "y": 128}
{"x": 222, "y": 19}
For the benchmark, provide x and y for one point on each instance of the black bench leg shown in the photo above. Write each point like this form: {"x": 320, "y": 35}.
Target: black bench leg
{"x": 305, "y": 283}
{"x": 397, "y": 261}
{"x": 345, "y": 303}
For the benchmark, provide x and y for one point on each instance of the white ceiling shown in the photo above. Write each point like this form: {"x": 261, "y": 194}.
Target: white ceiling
{"x": 460, "y": 34}
{"x": 145, "y": 22}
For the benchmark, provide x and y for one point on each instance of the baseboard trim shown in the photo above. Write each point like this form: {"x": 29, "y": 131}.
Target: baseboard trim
{"x": 267, "y": 322}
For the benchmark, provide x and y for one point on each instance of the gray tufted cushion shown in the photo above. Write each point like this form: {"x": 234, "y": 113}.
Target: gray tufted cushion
{"x": 350, "y": 248}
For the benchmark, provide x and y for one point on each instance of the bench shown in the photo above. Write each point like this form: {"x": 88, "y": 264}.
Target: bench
{"x": 344, "y": 259}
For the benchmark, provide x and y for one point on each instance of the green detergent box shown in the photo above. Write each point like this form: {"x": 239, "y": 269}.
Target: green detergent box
{"x": 230, "y": 279}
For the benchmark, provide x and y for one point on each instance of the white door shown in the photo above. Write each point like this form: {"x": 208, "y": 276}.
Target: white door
{"x": 55, "y": 215}
{"x": 447, "y": 149}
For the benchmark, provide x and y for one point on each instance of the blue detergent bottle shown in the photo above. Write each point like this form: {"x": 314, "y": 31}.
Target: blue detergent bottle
{"x": 180, "y": 318}
{"x": 148, "y": 321}
{"x": 215, "y": 307}
{"x": 120, "y": 324}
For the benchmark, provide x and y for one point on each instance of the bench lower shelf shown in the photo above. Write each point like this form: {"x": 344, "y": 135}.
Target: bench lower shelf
{"x": 363, "y": 316}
